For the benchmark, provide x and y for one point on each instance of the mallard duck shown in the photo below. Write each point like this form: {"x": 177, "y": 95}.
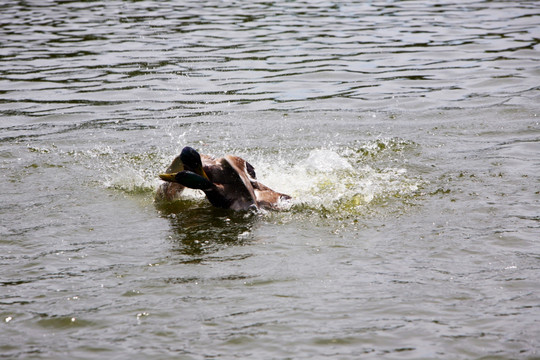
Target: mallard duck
{"x": 229, "y": 182}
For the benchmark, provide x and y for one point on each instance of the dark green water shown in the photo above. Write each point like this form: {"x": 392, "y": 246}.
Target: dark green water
{"x": 407, "y": 133}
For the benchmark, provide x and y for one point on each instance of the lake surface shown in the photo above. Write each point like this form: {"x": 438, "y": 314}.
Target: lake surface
{"x": 406, "y": 131}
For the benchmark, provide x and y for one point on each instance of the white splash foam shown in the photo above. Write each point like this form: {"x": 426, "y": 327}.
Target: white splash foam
{"x": 322, "y": 180}
{"x": 325, "y": 161}
{"x": 327, "y": 180}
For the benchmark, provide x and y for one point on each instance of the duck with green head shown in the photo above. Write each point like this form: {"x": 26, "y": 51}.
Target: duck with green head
{"x": 229, "y": 182}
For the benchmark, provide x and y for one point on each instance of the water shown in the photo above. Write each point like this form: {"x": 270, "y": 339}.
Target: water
{"x": 406, "y": 131}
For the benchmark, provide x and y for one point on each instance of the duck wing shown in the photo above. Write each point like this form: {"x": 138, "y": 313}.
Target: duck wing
{"x": 267, "y": 198}
{"x": 262, "y": 195}
{"x": 240, "y": 186}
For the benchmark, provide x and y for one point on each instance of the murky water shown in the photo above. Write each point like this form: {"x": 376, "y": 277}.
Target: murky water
{"x": 406, "y": 131}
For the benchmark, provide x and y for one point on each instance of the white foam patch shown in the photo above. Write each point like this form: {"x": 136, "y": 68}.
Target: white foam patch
{"x": 327, "y": 180}
{"x": 129, "y": 180}
{"x": 325, "y": 161}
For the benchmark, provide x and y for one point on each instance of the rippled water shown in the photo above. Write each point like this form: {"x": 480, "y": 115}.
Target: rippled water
{"x": 406, "y": 131}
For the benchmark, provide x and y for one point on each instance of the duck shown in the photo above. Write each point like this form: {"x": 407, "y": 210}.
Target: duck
{"x": 229, "y": 182}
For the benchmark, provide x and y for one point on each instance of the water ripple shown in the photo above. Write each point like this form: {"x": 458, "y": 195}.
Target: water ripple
{"x": 278, "y": 55}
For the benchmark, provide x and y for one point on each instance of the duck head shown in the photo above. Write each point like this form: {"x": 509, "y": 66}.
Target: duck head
{"x": 193, "y": 175}
{"x": 192, "y": 161}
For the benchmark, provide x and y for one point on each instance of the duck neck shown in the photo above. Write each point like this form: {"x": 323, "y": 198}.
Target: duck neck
{"x": 217, "y": 199}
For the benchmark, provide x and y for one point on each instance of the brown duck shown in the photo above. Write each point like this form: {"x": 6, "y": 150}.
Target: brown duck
{"x": 229, "y": 182}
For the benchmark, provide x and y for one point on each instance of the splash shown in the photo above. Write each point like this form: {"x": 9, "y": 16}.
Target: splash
{"x": 345, "y": 183}
{"x": 332, "y": 183}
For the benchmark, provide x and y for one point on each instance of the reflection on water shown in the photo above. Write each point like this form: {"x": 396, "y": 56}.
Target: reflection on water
{"x": 198, "y": 229}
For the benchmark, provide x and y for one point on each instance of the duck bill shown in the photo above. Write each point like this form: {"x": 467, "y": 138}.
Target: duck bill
{"x": 203, "y": 174}
{"x": 168, "y": 177}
